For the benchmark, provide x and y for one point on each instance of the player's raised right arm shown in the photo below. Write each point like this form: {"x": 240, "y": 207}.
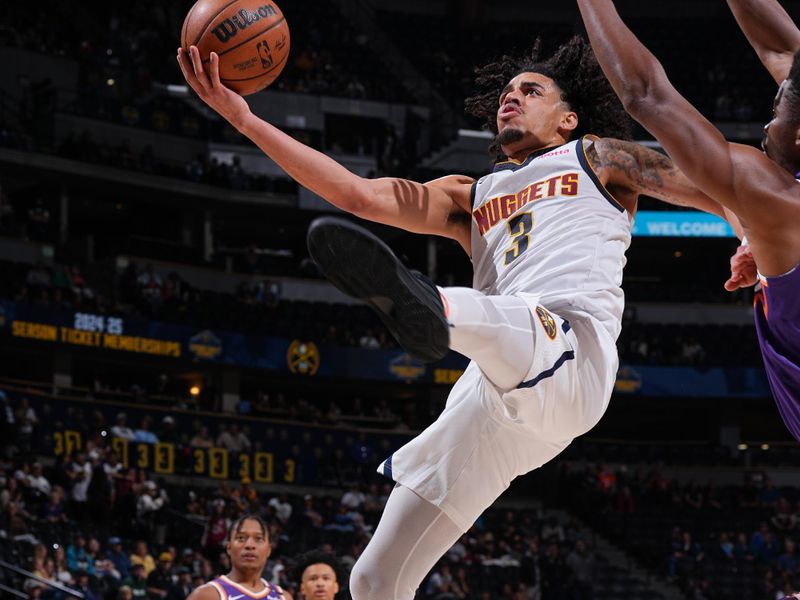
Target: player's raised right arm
{"x": 771, "y": 32}
{"x": 440, "y": 207}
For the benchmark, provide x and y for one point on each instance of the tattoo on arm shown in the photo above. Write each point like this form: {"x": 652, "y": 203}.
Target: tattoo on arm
{"x": 644, "y": 170}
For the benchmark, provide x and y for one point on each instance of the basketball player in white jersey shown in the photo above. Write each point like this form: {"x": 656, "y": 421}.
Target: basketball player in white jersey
{"x": 547, "y": 231}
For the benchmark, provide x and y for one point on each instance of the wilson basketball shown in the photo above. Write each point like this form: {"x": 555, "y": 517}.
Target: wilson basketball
{"x": 251, "y": 38}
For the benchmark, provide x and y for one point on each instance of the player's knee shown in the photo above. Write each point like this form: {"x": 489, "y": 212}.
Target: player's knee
{"x": 365, "y": 582}
{"x": 370, "y": 582}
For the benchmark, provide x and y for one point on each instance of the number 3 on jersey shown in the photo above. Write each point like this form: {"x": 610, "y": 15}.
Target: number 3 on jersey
{"x": 519, "y": 228}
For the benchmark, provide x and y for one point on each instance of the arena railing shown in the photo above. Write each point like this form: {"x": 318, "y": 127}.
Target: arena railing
{"x": 13, "y": 592}
{"x": 123, "y": 400}
{"x": 28, "y": 575}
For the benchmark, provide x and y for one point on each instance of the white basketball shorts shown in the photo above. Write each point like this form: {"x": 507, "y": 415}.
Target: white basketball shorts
{"x": 485, "y": 438}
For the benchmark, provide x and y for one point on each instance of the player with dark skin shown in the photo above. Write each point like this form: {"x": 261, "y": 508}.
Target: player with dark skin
{"x": 776, "y": 39}
{"x": 758, "y": 187}
{"x": 531, "y": 115}
{"x": 319, "y": 582}
{"x": 249, "y": 548}
{"x": 318, "y": 574}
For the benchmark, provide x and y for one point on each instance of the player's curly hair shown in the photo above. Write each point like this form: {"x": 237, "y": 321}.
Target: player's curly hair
{"x": 574, "y": 69}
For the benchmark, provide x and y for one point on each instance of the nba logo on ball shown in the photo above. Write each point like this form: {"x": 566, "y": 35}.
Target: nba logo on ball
{"x": 264, "y": 54}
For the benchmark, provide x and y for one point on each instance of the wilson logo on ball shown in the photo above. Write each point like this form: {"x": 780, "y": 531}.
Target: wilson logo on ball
{"x": 241, "y": 21}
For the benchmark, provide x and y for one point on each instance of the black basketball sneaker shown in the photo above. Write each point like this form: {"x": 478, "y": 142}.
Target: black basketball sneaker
{"x": 362, "y": 266}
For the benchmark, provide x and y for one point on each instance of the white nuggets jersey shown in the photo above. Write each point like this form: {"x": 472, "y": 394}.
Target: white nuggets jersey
{"x": 548, "y": 227}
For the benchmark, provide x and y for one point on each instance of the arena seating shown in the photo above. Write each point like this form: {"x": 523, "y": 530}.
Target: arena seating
{"x": 111, "y": 453}
{"x": 256, "y": 311}
{"x": 721, "y": 541}
{"x": 57, "y": 529}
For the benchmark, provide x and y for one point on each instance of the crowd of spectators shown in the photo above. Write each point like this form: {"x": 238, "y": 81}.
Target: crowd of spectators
{"x": 134, "y": 45}
{"x": 123, "y": 51}
{"x": 327, "y": 444}
{"x": 111, "y": 532}
{"x": 724, "y": 80}
{"x": 511, "y": 555}
{"x": 717, "y": 542}
{"x": 691, "y": 345}
{"x": 140, "y": 292}
{"x": 330, "y": 409}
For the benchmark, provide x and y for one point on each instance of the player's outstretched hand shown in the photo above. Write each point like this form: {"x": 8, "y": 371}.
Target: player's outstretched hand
{"x": 205, "y": 81}
{"x": 743, "y": 270}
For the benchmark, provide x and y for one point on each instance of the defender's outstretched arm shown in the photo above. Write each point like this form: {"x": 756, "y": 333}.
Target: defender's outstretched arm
{"x": 770, "y": 31}
{"x": 732, "y": 174}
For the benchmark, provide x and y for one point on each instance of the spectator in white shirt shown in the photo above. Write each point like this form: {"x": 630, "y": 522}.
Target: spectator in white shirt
{"x": 121, "y": 429}
{"x": 354, "y": 498}
{"x": 151, "y": 500}
{"x": 112, "y": 466}
{"x": 233, "y": 440}
{"x": 148, "y": 507}
{"x": 283, "y": 510}
{"x": 37, "y": 481}
{"x": 81, "y": 477}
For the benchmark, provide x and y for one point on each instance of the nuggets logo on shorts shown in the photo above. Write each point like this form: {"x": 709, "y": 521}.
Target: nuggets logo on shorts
{"x": 547, "y": 321}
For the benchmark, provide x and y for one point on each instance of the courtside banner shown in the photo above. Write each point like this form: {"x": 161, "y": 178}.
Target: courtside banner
{"x": 120, "y": 335}
{"x": 307, "y": 358}
{"x": 680, "y": 224}
{"x": 743, "y": 382}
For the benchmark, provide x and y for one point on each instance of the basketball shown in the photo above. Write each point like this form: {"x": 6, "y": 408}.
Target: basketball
{"x": 251, "y": 38}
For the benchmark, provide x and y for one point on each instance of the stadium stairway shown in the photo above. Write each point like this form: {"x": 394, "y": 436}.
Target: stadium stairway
{"x": 618, "y": 575}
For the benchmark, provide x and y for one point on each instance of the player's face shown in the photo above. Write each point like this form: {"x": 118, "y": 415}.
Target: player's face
{"x": 532, "y": 115}
{"x": 319, "y": 582}
{"x": 249, "y": 547}
{"x": 780, "y": 140}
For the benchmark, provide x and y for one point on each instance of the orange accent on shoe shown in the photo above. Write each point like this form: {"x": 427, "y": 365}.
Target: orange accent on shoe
{"x": 446, "y": 305}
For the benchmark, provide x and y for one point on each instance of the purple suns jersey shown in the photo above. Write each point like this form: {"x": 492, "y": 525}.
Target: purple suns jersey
{"x": 230, "y": 590}
{"x": 777, "y": 315}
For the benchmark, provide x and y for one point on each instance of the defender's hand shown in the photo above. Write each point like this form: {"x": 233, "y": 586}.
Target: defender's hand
{"x": 743, "y": 270}
{"x": 206, "y": 82}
